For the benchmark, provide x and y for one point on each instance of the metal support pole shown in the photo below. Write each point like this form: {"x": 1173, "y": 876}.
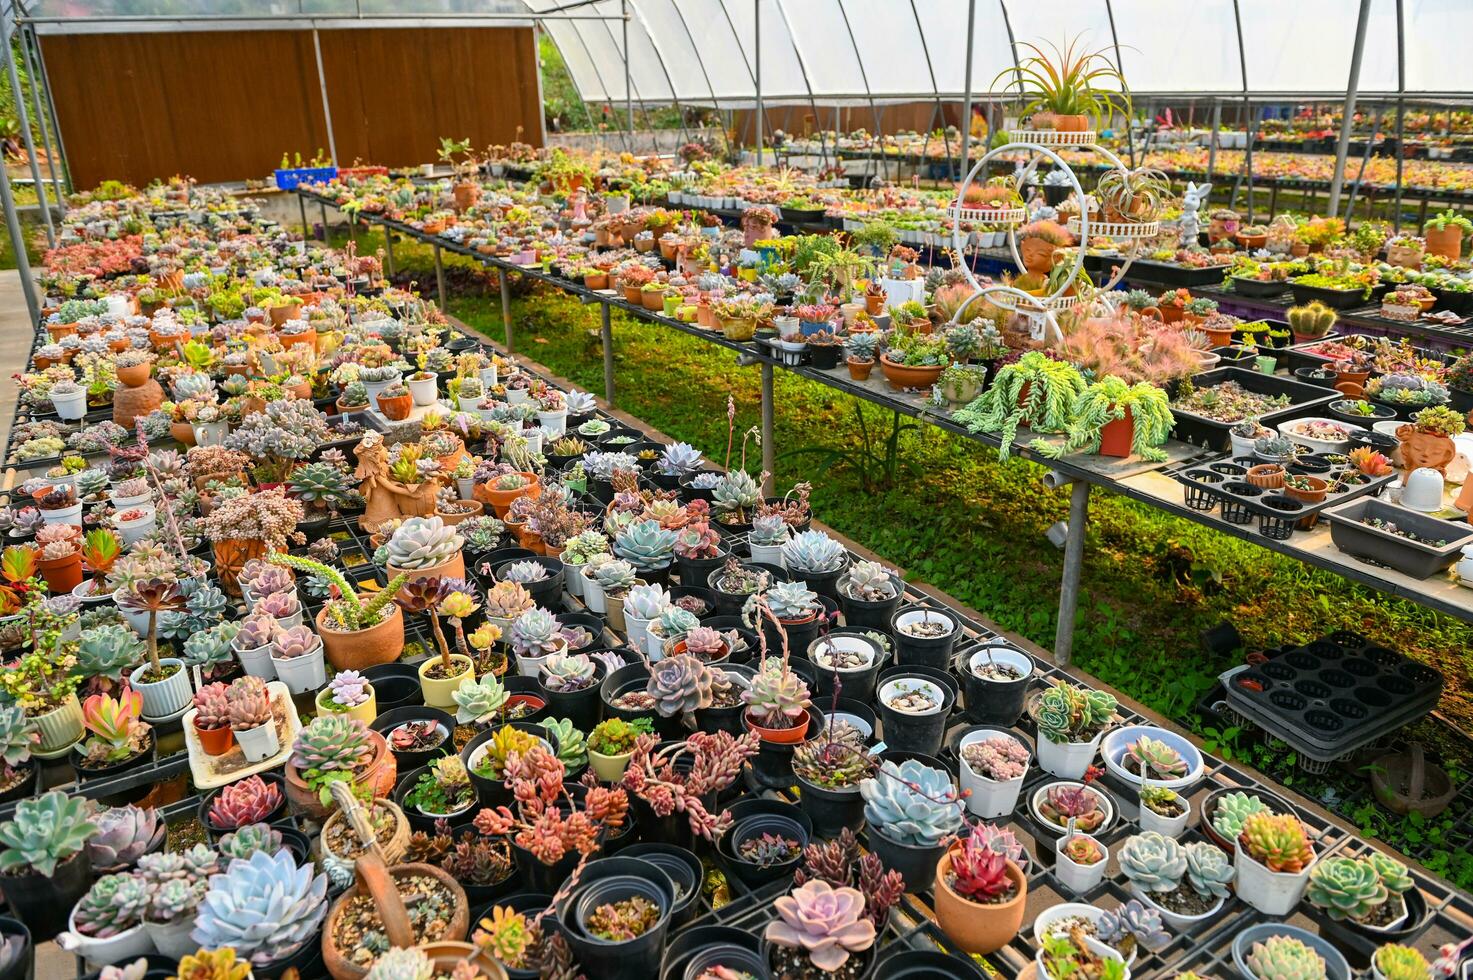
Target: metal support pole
{"x": 440, "y": 279}
{"x": 18, "y": 242}
{"x": 1073, "y": 565}
{"x": 628, "y": 74}
{"x": 332, "y": 146}
{"x": 768, "y": 449}
{"x": 1352, "y": 88}
{"x": 302, "y": 206}
{"x": 27, "y": 38}
{"x": 606, "y": 337}
{"x": 505, "y": 278}
{"x": 24, "y": 119}
{"x": 967, "y": 97}
{"x": 1212, "y": 138}
{"x": 757, "y": 69}
{"x": 388, "y": 250}
{"x": 1401, "y": 110}
{"x": 323, "y": 206}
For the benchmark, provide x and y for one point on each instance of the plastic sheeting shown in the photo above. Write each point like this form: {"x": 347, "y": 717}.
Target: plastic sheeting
{"x": 845, "y": 51}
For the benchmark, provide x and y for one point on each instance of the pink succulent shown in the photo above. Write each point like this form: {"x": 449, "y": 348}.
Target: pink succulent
{"x": 827, "y": 922}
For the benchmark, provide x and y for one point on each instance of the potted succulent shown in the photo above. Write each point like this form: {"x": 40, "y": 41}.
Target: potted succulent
{"x": 349, "y": 692}
{"x": 253, "y": 718}
{"x": 912, "y": 811}
{"x": 777, "y": 703}
{"x": 296, "y": 654}
{"x": 1071, "y": 722}
{"x": 868, "y": 594}
{"x": 47, "y": 869}
{"x": 441, "y": 790}
{"x": 829, "y": 768}
{"x": 818, "y": 929}
{"x": 611, "y": 745}
{"x": 1079, "y": 861}
{"x": 996, "y": 681}
{"x": 1273, "y": 862}
{"x": 1187, "y": 883}
{"x": 1366, "y": 894}
{"x": 1064, "y": 805}
{"x": 267, "y": 908}
{"x": 212, "y": 719}
{"x": 994, "y": 762}
{"x": 164, "y": 683}
{"x": 355, "y": 633}
{"x": 1163, "y": 810}
{"x": 1397, "y": 962}
{"x": 924, "y": 636}
{"x": 121, "y": 739}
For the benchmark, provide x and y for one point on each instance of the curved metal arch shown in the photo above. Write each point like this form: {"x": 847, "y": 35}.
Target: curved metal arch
{"x": 863, "y": 75}
{"x": 807, "y": 83}
{"x": 587, "y": 111}
{"x": 608, "y": 96}
{"x": 931, "y": 70}
{"x": 685, "y": 26}
{"x": 660, "y": 57}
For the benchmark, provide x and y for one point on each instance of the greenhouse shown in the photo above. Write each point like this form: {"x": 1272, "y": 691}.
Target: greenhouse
{"x": 736, "y": 490}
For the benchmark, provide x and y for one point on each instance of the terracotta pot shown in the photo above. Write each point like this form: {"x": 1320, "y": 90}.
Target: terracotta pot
{"x": 447, "y": 955}
{"x": 453, "y": 519}
{"x": 500, "y": 500}
{"x": 1269, "y": 476}
{"x": 859, "y": 370}
{"x": 1424, "y": 449}
{"x": 380, "y": 644}
{"x": 345, "y": 409}
{"x": 1404, "y": 256}
{"x": 1252, "y": 241}
{"x": 454, "y": 567}
{"x": 134, "y": 375}
{"x": 780, "y": 736}
{"x": 301, "y": 392}
{"x": 215, "y": 741}
{"x": 466, "y": 194}
{"x": 632, "y": 295}
{"x": 395, "y": 408}
{"x": 283, "y": 313}
{"x": 1298, "y": 249}
{"x": 376, "y": 880}
{"x": 973, "y": 927}
{"x": 652, "y": 299}
{"x": 1448, "y": 242}
{"x": 1219, "y": 338}
{"x": 1037, "y": 255}
{"x": 61, "y": 574}
{"x": 600, "y": 281}
{"x": 1117, "y": 436}
{"x": 903, "y": 376}
{"x": 377, "y": 776}
{"x": 230, "y": 557}
{"x": 1311, "y": 496}
{"x": 874, "y": 305}
{"x": 1071, "y": 124}
{"x": 182, "y": 432}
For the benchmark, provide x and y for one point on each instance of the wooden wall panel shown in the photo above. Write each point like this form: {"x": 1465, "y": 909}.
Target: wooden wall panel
{"x": 224, "y": 105}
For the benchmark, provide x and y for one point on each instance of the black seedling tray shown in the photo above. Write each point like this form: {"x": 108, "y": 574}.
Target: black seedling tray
{"x": 1330, "y": 697}
{"x": 1413, "y": 558}
{"x": 1223, "y": 482}
{"x": 1170, "y": 274}
{"x": 1305, "y": 399}
{"x": 1335, "y": 299}
{"x": 1258, "y": 289}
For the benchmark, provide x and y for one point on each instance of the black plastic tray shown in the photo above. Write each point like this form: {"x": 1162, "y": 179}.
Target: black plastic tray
{"x": 1332, "y": 696}
{"x": 1222, "y": 482}
{"x": 1257, "y": 288}
{"x": 1336, "y": 299}
{"x": 1408, "y": 557}
{"x": 1305, "y": 399}
{"x": 1170, "y": 274}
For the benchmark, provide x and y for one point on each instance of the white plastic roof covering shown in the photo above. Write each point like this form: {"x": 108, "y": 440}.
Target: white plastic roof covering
{"x": 701, "y": 52}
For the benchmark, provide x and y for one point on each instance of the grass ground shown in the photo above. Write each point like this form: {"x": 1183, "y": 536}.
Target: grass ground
{"x": 949, "y": 513}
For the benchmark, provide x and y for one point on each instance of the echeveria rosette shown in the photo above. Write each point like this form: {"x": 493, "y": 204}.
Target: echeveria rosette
{"x": 828, "y": 923}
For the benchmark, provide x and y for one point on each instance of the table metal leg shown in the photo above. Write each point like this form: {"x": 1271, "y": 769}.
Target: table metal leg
{"x": 1073, "y": 565}
{"x": 606, "y": 337}
{"x": 302, "y": 204}
{"x": 323, "y": 206}
{"x": 768, "y": 449}
{"x": 504, "y": 276}
{"x": 388, "y": 250}
{"x": 440, "y": 280}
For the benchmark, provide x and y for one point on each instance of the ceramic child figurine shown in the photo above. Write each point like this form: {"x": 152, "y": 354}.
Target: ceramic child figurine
{"x": 1190, "y": 222}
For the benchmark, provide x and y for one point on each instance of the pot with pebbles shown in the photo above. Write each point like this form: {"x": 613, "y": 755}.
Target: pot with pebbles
{"x": 913, "y": 709}
{"x": 924, "y": 637}
{"x": 996, "y": 682}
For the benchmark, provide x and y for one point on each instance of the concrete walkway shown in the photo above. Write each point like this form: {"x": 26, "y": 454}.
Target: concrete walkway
{"x": 16, "y": 334}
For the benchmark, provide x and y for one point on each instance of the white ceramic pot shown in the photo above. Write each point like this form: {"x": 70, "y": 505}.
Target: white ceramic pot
{"x": 126, "y": 945}
{"x": 258, "y": 744}
{"x": 1181, "y": 923}
{"x": 518, "y": 396}
{"x": 172, "y": 938}
{"x": 302, "y": 674}
{"x": 1166, "y": 826}
{"x": 61, "y": 726}
{"x": 767, "y": 554}
{"x": 136, "y": 500}
{"x": 1118, "y": 741}
{"x": 137, "y": 620}
{"x": 902, "y": 685}
{"x": 287, "y": 622}
{"x": 1067, "y": 760}
{"x": 553, "y": 424}
{"x": 573, "y": 581}
{"x": 210, "y": 433}
{"x": 636, "y": 629}
{"x": 787, "y": 327}
{"x": 71, "y": 407}
{"x": 1465, "y": 567}
{"x": 488, "y": 378}
{"x": 1095, "y": 946}
{"x": 423, "y": 390}
{"x": 593, "y": 593}
{"x": 1101, "y": 795}
{"x": 654, "y": 645}
{"x": 466, "y": 487}
{"x": 64, "y": 515}
{"x": 1270, "y": 892}
{"x": 167, "y": 697}
{"x": 1078, "y": 878}
{"x": 258, "y": 663}
{"x": 990, "y": 797}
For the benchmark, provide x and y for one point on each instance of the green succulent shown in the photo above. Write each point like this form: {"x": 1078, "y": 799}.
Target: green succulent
{"x": 1233, "y": 810}
{"x": 18, "y": 735}
{"x": 1153, "y": 861}
{"x": 1394, "y": 874}
{"x": 791, "y": 601}
{"x": 646, "y": 545}
{"x": 813, "y": 552}
{"x": 247, "y": 840}
{"x": 45, "y": 832}
{"x": 1067, "y": 713}
{"x": 736, "y": 493}
{"x": 477, "y": 702}
{"x": 108, "y": 651}
{"x": 1208, "y": 869}
{"x": 1285, "y": 958}
{"x": 1346, "y": 887}
{"x": 113, "y": 904}
{"x": 1397, "y": 962}
{"x": 572, "y": 748}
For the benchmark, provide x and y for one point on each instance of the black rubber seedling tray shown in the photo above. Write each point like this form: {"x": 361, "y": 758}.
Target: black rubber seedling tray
{"x": 1304, "y": 399}
{"x": 1223, "y": 483}
{"x": 1330, "y": 697}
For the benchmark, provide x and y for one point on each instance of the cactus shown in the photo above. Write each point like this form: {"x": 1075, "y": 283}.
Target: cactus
{"x": 1346, "y": 888}
{"x": 813, "y": 553}
{"x": 869, "y": 581}
{"x": 1154, "y": 759}
{"x": 113, "y": 904}
{"x": 535, "y": 634}
{"x": 1233, "y": 810}
{"x": 828, "y": 923}
{"x": 423, "y": 542}
{"x": 646, "y": 545}
{"x": 250, "y": 704}
{"x": 792, "y": 601}
{"x": 264, "y": 908}
{"x": 45, "y": 832}
{"x": 680, "y": 685}
{"x": 1152, "y": 861}
{"x": 1277, "y": 841}
{"x": 245, "y": 841}
{"x": 1208, "y": 869}
{"x": 251, "y": 800}
{"x": 477, "y": 702}
{"x": 124, "y": 834}
{"x": 912, "y": 803}
{"x": 776, "y": 697}
{"x": 1067, "y": 713}
{"x": 1312, "y": 320}
{"x": 647, "y": 602}
{"x": 1285, "y": 958}
{"x": 568, "y": 672}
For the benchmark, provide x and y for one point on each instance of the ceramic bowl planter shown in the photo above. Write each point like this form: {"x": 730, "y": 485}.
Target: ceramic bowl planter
{"x": 365, "y": 712}
{"x": 1335, "y": 966}
{"x": 991, "y": 798}
{"x": 924, "y": 636}
{"x": 60, "y": 727}
{"x": 1094, "y": 946}
{"x": 996, "y": 681}
{"x": 913, "y": 710}
{"x": 439, "y": 691}
{"x": 1116, "y": 750}
{"x": 974, "y": 927}
{"x": 1270, "y": 892}
{"x": 167, "y": 698}
{"x": 127, "y": 945}
{"x": 1106, "y": 808}
{"x": 1074, "y": 876}
{"x": 1177, "y": 921}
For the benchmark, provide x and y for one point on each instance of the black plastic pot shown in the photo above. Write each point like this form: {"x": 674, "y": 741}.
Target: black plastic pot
{"x": 426, "y": 822}
{"x": 387, "y": 721}
{"x": 688, "y": 943}
{"x": 547, "y": 592}
{"x": 215, "y": 831}
{"x": 1359, "y": 944}
{"x": 825, "y": 357}
{"x": 527, "y": 903}
{"x": 862, "y": 613}
{"x": 749, "y": 806}
{"x": 925, "y": 651}
{"x": 24, "y": 789}
{"x": 683, "y": 869}
{"x": 831, "y": 810}
{"x": 581, "y": 706}
{"x": 594, "y": 624}
{"x": 696, "y": 571}
{"x": 728, "y": 604}
{"x": 306, "y": 961}
{"x": 753, "y": 875}
{"x": 84, "y": 774}
{"x": 728, "y": 623}
{"x": 800, "y": 634}
{"x": 729, "y": 955}
{"x": 917, "y": 865}
{"x": 23, "y": 967}
{"x": 701, "y": 592}
{"x": 297, "y": 842}
{"x": 493, "y": 792}
{"x": 825, "y": 584}
{"x": 912, "y": 732}
{"x": 772, "y": 766}
{"x": 543, "y": 877}
{"x": 531, "y": 687}
{"x": 620, "y": 681}
{"x": 636, "y": 959}
{"x": 394, "y": 686}
{"x": 996, "y": 702}
{"x": 43, "y": 904}
{"x": 157, "y": 967}
{"x": 926, "y": 964}
{"x": 857, "y": 684}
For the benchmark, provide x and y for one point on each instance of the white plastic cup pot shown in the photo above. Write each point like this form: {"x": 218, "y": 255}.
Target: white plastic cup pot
{"x": 301, "y": 674}
{"x": 1078, "y": 878}
{"x": 258, "y": 663}
{"x": 1067, "y": 760}
{"x": 1270, "y": 892}
{"x": 260, "y": 743}
{"x": 990, "y": 797}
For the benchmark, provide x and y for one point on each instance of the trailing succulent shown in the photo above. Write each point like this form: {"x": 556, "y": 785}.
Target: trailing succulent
{"x": 1051, "y": 389}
